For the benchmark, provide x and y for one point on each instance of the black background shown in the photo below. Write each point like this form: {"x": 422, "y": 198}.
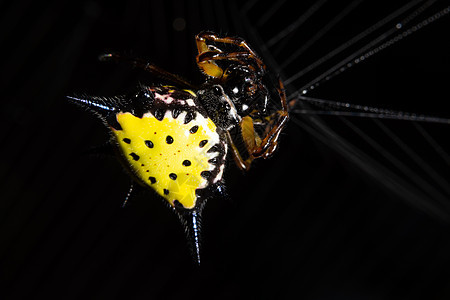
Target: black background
{"x": 309, "y": 223}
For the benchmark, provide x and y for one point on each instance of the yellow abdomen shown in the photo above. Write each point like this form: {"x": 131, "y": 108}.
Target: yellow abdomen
{"x": 173, "y": 158}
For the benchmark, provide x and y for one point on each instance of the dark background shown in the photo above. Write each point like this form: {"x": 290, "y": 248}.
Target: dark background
{"x": 343, "y": 210}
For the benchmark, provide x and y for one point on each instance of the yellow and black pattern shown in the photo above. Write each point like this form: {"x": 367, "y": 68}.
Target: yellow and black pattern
{"x": 168, "y": 142}
{"x": 173, "y": 158}
{"x": 166, "y": 139}
{"x": 174, "y": 140}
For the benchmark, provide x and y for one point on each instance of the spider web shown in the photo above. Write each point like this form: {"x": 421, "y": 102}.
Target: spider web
{"x": 348, "y": 207}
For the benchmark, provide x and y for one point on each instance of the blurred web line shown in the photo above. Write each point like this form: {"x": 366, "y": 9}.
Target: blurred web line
{"x": 432, "y": 174}
{"x": 439, "y": 150}
{"x": 248, "y": 5}
{"x": 296, "y": 24}
{"x": 269, "y": 13}
{"x": 367, "y": 51}
{"x": 321, "y": 32}
{"x": 353, "y": 41}
{"x": 363, "y": 111}
{"x": 380, "y": 173}
{"x": 407, "y": 171}
{"x": 371, "y": 115}
{"x": 376, "y": 114}
{"x": 411, "y": 193}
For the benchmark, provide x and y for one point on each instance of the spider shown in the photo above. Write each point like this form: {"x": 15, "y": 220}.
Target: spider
{"x": 174, "y": 140}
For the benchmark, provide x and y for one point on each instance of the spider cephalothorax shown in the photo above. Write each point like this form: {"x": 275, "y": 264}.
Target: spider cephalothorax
{"x": 174, "y": 140}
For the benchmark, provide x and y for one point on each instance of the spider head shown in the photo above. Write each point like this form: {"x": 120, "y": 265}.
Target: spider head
{"x": 245, "y": 87}
{"x": 219, "y": 106}
{"x": 231, "y": 64}
{"x": 240, "y": 92}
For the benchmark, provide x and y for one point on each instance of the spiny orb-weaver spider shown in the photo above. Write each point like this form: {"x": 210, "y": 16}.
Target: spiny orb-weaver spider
{"x": 174, "y": 140}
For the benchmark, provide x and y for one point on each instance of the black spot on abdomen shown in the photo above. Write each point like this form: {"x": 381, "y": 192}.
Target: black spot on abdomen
{"x": 189, "y": 117}
{"x": 149, "y": 143}
{"x": 214, "y": 161}
{"x": 205, "y": 174}
{"x": 193, "y": 129}
{"x": 134, "y": 156}
{"x": 202, "y": 143}
{"x": 175, "y": 113}
{"x": 159, "y": 114}
{"x": 177, "y": 204}
{"x": 214, "y": 148}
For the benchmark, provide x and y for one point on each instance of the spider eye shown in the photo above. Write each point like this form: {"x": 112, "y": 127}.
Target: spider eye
{"x": 217, "y": 91}
{"x": 235, "y": 90}
{"x": 144, "y": 93}
{"x": 250, "y": 89}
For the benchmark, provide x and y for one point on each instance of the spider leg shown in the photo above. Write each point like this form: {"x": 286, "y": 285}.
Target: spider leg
{"x": 209, "y": 53}
{"x": 270, "y": 142}
{"x": 206, "y": 60}
{"x": 205, "y": 36}
{"x": 240, "y": 162}
{"x": 149, "y": 67}
{"x": 255, "y": 146}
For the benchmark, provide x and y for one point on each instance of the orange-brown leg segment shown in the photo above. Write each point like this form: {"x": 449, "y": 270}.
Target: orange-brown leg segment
{"x": 206, "y": 61}
{"x": 207, "y": 54}
{"x": 149, "y": 67}
{"x": 203, "y": 37}
{"x": 255, "y": 146}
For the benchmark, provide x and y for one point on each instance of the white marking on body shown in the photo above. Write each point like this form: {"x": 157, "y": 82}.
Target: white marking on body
{"x": 233, "y": 111}
{"x": 164, "y": 98}
{"x": 222, "y": 166}
{"x": 168, "y": 114}
{"x": 190, "y": 102}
